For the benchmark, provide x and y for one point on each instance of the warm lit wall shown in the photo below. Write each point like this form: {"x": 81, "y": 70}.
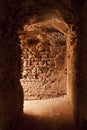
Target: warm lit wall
{"x": 11, "y": 96}
{"x": 44, "y": 71}
{"x": 12, "y": 17}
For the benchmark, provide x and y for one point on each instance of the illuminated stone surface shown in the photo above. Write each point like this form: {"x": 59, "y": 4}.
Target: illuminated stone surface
{"x": 44, "y": 70}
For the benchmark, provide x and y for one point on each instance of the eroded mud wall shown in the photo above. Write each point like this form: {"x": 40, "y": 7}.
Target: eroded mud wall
{"x": 13, "y": 15}
{"x": 40, "y": 11}
{"x": 44, "y": 72}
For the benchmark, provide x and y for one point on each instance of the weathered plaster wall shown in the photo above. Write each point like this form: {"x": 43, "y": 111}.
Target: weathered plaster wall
{"x": 44, "y": 72}
{"x": 13, "y": 15}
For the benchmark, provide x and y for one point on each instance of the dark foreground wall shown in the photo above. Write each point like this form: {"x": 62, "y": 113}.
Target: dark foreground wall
{"x": 11, "y": 95}
{"x": 81, "y": 94}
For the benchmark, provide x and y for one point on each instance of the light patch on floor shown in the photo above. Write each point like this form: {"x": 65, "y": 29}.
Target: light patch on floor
{"x": 57, "y": 109}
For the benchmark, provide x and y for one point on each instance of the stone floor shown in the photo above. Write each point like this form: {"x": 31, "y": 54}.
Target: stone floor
{"x": 51, "y": 114}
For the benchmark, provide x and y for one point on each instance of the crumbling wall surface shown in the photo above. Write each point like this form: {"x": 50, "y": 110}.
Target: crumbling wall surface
{"x": 44, "y": 72}
{"x": 11, "y": 95}
{"x": 13, "y": 15}
{"x": 42, "y": 11}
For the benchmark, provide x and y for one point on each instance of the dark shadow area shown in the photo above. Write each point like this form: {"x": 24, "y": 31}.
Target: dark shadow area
{"x": 36, "y": 123}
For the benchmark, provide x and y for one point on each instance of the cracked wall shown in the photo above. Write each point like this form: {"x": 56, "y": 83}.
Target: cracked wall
{"x": 44, "y": 72}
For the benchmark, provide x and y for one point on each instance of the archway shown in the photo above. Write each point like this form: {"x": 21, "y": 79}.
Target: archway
{"x": 58, "y": 17}
{"x": 35, "y": 34}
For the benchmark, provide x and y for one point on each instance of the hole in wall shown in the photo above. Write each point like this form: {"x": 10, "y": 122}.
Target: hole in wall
{"x": 44, "y": 67}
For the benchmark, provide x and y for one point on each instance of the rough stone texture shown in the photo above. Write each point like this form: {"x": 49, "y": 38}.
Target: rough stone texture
{"x": 44, "y": 72}
{"x": 13, "y": 15}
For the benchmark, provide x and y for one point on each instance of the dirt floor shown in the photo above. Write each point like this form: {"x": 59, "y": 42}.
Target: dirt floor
{"x": 51, "y": 114}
